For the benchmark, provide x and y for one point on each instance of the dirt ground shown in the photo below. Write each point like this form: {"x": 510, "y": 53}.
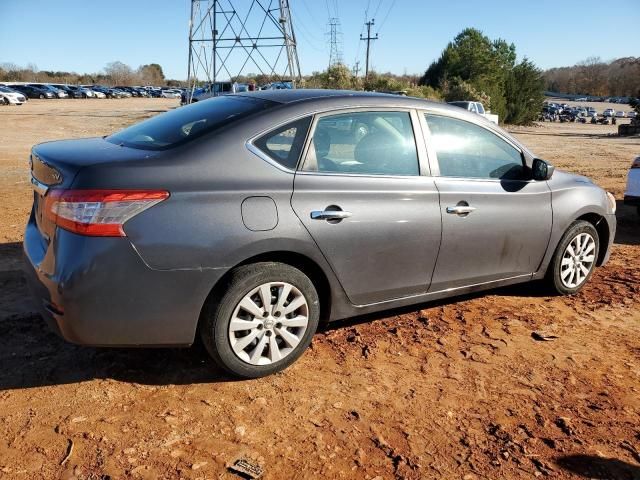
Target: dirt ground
{"x": 508, "y": 384}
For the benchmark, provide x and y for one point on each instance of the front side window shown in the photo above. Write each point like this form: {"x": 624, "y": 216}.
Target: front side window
{"x": 465, "y": 149}
{"x": 285, "y": 143}
{"x": 368, "y": 143}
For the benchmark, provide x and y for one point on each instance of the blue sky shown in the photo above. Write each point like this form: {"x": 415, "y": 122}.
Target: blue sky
{"x": 83, "y": 36}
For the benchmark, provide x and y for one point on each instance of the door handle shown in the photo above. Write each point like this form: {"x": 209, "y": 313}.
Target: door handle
{"x": 329, "y": 214}
{"x": 461, "y": 209}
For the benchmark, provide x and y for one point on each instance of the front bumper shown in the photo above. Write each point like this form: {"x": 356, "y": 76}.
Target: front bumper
{"x": 612, "y": 223}
{"x": 98, "y": 291}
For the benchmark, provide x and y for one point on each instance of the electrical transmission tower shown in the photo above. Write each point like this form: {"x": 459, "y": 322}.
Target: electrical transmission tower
{"x": 226, "y": 42}
{"x": 335, "y": 42}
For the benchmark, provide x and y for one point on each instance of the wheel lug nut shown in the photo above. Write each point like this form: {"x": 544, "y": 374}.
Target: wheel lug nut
{"x": 278, "y": 325}
{"x": 265, "y": 314}
{"x": 276, "y": 314}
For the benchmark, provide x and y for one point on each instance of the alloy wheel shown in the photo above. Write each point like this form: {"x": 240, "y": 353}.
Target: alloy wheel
{"x": 578, "y": 260}
{"x": 268, "y": 323}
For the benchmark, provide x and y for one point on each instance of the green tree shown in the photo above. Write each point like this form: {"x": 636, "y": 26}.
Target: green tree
{"x": 151, "y": 74}
{"x": 524, "y": 93}
{"x": 337, "y": 76}
{"x": 473, "y": 67}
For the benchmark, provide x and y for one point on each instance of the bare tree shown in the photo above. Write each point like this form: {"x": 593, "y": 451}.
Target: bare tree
{"x": 120, "y": 73}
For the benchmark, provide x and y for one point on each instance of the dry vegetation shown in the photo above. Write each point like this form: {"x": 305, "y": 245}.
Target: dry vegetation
{"x": 510, "y": 384}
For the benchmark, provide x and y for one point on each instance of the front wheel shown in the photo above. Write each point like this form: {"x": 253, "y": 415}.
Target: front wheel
{"x": 575, "y": 258}
{"x": 262, "y": 320}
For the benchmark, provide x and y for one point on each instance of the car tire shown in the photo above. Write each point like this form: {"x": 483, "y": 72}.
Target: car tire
{"x": 278, "y": 337}
{"x": 5, "y": 100}
{"x": 575, "y": 258}
{"x": 41, "y": 96}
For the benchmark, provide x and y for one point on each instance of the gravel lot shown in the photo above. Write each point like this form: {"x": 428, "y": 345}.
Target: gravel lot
{"x": 461, "y": 389}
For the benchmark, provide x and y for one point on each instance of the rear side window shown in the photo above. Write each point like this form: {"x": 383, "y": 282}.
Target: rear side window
{"x": 468, "y": 150}
{"x": 184, "y": 124}
{"x": 285, "y": 143}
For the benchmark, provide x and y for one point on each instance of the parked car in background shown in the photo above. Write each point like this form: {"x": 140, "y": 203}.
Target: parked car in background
{"x": 70, "y": 91}
{"x": 122, "y": 93}
{"x": 34, "y": 92}
{"x": 84, "y": 92}
{"x": 130, "y": 90}
{"x": 632, "y": 193}
{"x": 170, "y": 93}
{"x": 107, "y": 92}
{"x": 475, "y": 107}
{"x": 208, "y": 91}
{"x": 9, "y": 96}
{"x": 632, "y": 114}
{"x": 621, "y": 114}
{"x": 282, "y": 85}
{"x": 56, "y": 92}
{"x": 609, "y": 112}
{"x": 199, "y": 208}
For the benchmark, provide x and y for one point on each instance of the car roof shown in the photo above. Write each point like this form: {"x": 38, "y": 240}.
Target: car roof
{"x": 341, "y": 96}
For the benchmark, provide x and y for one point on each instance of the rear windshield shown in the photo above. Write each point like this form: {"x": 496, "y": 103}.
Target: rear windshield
{"x": 184, "y": 124}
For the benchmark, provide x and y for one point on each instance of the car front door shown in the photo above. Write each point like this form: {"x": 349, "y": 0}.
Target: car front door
{"x": 360, "y": 194}
{"x": 496, "y": 221}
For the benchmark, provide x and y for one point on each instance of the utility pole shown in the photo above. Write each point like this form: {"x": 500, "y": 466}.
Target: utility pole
{"x": 368, "y": 39}
{"x": 356, "y": 69}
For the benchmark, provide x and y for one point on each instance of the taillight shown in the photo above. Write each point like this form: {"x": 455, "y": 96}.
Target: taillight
{"x": 636, "y": 163}
{"x": 100, "y": 213}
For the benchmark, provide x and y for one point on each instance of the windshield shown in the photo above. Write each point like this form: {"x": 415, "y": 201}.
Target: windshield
{"x": 186, "y": 123}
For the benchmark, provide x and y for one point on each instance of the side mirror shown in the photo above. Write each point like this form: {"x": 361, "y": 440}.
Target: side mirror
{"x": 542, "y": 170}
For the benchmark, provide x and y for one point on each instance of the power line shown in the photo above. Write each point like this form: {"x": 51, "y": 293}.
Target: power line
{"x": 386, "y": 16}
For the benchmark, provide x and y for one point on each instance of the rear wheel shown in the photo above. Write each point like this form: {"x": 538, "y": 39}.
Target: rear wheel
{"x": 575, "y": 258}
{"x": 262, "y": 321}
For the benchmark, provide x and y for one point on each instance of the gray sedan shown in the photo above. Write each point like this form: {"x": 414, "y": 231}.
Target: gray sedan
{"x": 250, "y": 218}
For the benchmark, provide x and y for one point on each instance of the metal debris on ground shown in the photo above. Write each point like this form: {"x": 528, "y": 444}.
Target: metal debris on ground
{"x": 246, "y": 468}
{"x": 543, "y": 337}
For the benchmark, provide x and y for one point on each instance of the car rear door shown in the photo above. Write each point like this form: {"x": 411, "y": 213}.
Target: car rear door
{"x": 496, "y": 222}
{"x": 364, "y": 193}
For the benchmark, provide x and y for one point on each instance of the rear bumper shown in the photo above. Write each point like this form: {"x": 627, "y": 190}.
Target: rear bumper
{"x": 632, "y": 200}
{"x": 98, "y": 291}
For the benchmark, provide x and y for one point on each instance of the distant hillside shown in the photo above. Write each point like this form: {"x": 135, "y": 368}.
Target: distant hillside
{"x": 620, "y": 77}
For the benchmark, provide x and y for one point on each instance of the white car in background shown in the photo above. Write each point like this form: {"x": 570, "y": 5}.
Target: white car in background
{"x": 97, "y": 94}
{"x": 632, "y": 114}
{"x": 11, "y": 97}
{"x": 632, "y": 193}
{"x": 171, "y": 93}
{"x": 609, "y": 112}
{"x": 621, "y": 114}
{"x": 476, "y": 107}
